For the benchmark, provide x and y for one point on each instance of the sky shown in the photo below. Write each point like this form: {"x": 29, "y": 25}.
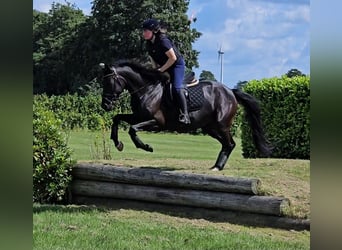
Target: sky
{"x": 259, "y": 38}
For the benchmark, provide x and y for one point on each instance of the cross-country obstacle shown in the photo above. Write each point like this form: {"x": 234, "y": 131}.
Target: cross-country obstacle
{"x": 226, "y": 198}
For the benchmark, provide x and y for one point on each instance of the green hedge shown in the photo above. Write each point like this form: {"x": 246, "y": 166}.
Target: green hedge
{"x": 285, "y": 110}
{"x": 52, "y": 161}
{"x": 78, "y": 111}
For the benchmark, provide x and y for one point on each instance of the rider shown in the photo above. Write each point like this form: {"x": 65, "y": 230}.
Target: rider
{"x": 165, "y": 56}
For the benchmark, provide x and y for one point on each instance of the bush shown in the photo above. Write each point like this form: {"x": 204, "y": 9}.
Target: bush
{"x": 52, "y": 161}
{"x": 285, "y": 112}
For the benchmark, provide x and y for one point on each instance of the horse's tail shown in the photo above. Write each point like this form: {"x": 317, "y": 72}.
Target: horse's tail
{"x": 254, "y": 119}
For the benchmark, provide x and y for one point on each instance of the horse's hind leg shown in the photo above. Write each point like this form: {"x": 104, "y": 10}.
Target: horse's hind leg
{"x": 228, "y": 144}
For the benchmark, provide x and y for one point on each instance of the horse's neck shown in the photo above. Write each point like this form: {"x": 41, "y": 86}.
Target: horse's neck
{"x": 145, "y": 92}
{"x": 148, "y": 100}
{"x": 150, "y": 93}
{"x": 137, "y": 86}
{"x": 134, "y": 83}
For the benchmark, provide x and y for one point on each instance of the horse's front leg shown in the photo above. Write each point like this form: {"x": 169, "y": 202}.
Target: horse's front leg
{"x": 138, "y": 127}
{"x": 129, "y": 118}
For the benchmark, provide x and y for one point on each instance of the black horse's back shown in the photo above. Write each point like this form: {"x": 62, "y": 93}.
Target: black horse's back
{"x": 253, "y": 116}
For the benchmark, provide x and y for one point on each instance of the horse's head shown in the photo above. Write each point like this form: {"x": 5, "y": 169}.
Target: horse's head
{"x": 113, "y": 86}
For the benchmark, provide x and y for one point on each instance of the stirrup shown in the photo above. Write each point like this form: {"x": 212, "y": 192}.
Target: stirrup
{"x": 184, "y": 119}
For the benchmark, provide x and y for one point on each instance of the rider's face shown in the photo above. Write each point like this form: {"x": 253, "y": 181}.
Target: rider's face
{"x": 147, "y": 34}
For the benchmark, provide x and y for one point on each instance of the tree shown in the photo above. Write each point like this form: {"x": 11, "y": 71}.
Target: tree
{"x": 119, "y": 26}
{"x": 240, "y": 84}
{"x": 51, "y": 32}
{"x": 293, "y": 73}
{"x": 207, "y": 75}
{"x": 40, "y": 20}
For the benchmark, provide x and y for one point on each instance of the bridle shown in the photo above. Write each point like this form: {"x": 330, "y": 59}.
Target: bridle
{"x": 117, "y": 78}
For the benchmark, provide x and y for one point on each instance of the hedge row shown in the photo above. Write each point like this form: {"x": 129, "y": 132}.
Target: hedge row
{"x": 285, "y": 110}
{"x": 84, "y": 112}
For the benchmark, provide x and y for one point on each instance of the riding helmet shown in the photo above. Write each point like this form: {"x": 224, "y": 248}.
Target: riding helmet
{"x": 151, "y": 24}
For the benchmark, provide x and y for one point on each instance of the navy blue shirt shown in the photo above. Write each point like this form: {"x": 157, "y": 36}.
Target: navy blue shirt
{"x": 161, "y": 45}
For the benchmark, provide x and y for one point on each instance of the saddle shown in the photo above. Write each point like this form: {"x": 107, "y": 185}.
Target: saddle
{"x": 190, "y": 79}
{"x": 194, "y": 92}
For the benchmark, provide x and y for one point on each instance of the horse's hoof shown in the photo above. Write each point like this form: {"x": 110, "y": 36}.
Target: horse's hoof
{"x": 215, "y": 168}
{"x": 120, "y": 146}
{"x": 148, "y": 148}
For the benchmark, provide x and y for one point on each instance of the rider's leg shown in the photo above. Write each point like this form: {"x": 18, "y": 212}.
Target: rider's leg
{"x": 177, "y": 77}
{"x": 184, "y": 115}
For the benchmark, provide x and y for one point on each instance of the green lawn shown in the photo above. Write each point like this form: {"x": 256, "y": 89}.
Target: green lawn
{"x": 80, "y": 227}
{"x": 165, "y": 145}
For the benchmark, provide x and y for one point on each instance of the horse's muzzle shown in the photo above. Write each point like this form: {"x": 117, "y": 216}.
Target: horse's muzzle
{"x": 107, "y": 106}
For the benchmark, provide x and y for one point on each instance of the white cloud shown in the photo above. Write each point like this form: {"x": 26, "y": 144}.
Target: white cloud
{"x": 260, "y": 39}
{"x": 255, "y": 43}
{"x": 298, "y": 13}
{"x": 236, "y": 3}
{"x": 232, "y": 26}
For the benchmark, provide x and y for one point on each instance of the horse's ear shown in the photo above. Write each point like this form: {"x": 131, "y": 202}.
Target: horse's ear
{"x": 105, "y": 67}
{"x": 102, "y": 65}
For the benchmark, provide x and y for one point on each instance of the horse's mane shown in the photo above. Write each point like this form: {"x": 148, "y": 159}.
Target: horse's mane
{"x": 150, "y": 74}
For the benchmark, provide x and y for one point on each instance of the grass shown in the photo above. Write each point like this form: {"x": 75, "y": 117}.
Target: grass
{"x": 84, "y": 227}
{"x": 88, "y": 227}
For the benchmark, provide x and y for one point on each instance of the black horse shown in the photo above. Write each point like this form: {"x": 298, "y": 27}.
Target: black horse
{"x": 153, "y": 109}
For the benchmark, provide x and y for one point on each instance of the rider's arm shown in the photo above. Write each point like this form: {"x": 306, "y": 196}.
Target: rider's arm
{"x": 170, "y": 61}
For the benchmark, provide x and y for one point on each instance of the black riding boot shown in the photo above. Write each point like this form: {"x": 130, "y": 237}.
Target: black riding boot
{"x": 184, "y": 116}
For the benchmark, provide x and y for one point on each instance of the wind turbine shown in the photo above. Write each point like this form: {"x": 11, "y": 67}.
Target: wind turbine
{"x": 220, "y": 56}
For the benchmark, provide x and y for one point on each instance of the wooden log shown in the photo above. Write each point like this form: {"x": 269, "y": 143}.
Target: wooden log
{"x": 197, "y": 198}
{"x": 215, "y": 215}
{"x": 159, "y": 177}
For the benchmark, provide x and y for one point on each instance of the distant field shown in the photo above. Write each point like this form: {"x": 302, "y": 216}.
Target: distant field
{"x": 165, "y": 145}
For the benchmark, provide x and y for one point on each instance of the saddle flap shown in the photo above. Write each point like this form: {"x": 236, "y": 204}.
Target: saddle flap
{"x": 194, "y": 95}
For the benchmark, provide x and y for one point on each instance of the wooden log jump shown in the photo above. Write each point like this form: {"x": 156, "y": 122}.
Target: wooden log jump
{"x": 197, "y": 198}
{"x": 158, "y": 177}
{"x": 170, "y": 187}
